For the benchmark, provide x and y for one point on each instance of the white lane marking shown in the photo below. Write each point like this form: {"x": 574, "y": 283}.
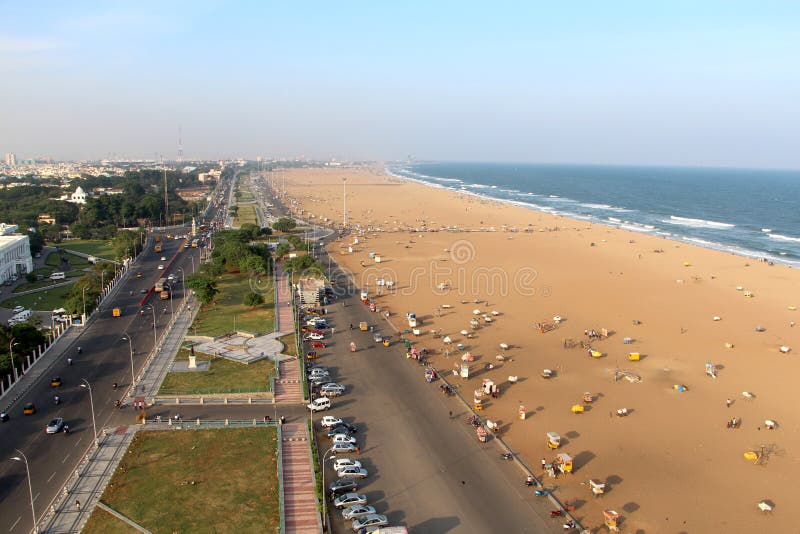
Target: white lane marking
{"x": 78, "y": 442}
{"x": 15, "y": 523}
{"x": 65, "y": 459}
{"x": 51, "y": 476}
{"x": 35, "y": 497}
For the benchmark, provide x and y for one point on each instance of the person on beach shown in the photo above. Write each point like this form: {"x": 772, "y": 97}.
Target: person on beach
{"x": 728, "y": 402}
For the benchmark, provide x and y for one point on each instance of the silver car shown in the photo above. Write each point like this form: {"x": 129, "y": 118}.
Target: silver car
{"x": 371, "y": 520}
{"x": 352, "y": 472}
{"x": 331, "y": 389}
{"x": 356, "y": 511}
{"x": 349, "y": 499}
{"x": 55, "y": 426}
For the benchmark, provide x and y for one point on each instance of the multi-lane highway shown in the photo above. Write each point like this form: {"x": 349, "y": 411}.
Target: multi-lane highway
{"x": 105, "y": 359}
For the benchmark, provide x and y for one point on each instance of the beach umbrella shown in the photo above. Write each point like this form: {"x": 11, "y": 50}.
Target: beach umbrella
{"x": 464, "y": 332}
{"x": 504, "y": 346}
{"x": 476, "y": 311}
{"x": 447, "y": 339}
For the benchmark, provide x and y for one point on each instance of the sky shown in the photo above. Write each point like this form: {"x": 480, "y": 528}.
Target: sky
{"x": 711, "y": 83}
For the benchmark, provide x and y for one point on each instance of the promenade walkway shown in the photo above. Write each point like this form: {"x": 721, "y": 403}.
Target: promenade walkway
{"x": 288, "y": 388}
{"x": 301, "y": 514}
{"x": 70, "y": 510}
{"x": 284, "y": 319}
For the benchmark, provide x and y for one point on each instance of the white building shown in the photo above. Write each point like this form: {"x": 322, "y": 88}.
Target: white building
{"x": 15, "y": 256}
{"x": 11, "y": 159}
{"x": 78, "y": 197}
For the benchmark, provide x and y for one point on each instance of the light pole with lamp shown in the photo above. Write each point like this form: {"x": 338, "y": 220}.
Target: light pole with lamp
{"x": 192, "y": 258}
{"x": 130, "y": 346}
{"x": 324, "y": 498}
{"x": 344, "y": 203}
{"x": 83, "y": 297}
{"x": 23, "y": 458}
{"x": 155, "y": 336}
{"x": 11, "y": 346}
{"x": 86, "y": 385}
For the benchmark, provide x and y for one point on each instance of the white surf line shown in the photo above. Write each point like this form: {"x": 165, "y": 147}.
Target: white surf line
{"x": 65, "y": 459}
{"x": 78, "y": 442}
{"x": 15, "y": 523}
{"x": 51, "y": 476}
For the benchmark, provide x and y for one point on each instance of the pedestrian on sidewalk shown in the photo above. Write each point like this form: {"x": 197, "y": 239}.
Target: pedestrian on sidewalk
{"x": 78, "y": 504}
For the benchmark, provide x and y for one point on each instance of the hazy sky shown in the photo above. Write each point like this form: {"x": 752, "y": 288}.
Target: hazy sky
{"x": 676, "y": 83}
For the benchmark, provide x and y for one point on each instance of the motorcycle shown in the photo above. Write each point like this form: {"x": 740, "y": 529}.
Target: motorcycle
{"x": 69, "y": 361}
{"x": 80, "y": 350}
{"x": 507, "y": 456}
{"x": 56, "y": 400}
{"x": 530, "y": 481}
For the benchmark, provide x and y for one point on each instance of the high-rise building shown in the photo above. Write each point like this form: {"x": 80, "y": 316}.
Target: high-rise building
{"x": 11, "y": 159}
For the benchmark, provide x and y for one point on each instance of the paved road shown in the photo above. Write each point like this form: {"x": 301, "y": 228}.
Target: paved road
{"x": 427, "y": 470}
{"x": 105, "y": 359}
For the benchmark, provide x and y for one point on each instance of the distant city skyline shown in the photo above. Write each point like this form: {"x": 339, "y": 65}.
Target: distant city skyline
{"x": 679, "y": 84}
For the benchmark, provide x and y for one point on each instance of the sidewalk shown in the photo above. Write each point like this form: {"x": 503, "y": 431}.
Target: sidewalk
{"x": 284, "y": 319}
{"x": 160, "y": 360}
{"x": 88, "y": 482}
{"x": 301, "y": 513}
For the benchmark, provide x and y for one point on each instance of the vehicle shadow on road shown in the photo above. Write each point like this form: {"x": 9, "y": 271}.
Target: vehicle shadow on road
{"x": 437, "y": 525}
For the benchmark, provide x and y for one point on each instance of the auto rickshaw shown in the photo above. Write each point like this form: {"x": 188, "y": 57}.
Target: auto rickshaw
{"x": 610, "y": 518}
{"x": 312, "y": 355}
{"x": 29, "y": 409}
{"x": 634, "y": 356}
{"x": 55, "y": 381}
{"x": 386, "y": 342}
{"x": 598, "y": 488}
{"x": 564, "y": 462}
{"x": 553, "y": 440}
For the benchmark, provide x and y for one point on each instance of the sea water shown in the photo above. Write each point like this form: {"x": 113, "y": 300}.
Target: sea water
{"x": 754, "y": 213}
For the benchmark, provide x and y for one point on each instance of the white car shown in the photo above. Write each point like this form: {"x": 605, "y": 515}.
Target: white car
{"x": 343, "y": 447}
{"x": 310, "y": 336}
{"x": 371, "y": 520}
{"x": 353, "y": 472}
{"x": 340, "y": 463}
{"x": 343, "y": 438}
{"x": 160, "y": 267}
{"x": 331, "y": 389}
{"x": 330, "y": 421}
{"x": 319, "y": 404}
{"x": 163, "y": 258}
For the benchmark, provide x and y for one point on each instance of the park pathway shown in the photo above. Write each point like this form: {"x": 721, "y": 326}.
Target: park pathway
{"x": 288, "y": 388}
{"x": 301, "y": 514}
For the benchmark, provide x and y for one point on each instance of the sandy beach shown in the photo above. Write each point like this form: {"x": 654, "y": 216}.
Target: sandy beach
{"x": 671, "y": 465}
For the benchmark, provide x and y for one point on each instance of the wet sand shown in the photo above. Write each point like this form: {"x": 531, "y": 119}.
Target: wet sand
{"x": 671, "y": 465}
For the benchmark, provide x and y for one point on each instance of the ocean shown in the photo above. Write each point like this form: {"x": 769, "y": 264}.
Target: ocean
{"x": 753, "y": 213}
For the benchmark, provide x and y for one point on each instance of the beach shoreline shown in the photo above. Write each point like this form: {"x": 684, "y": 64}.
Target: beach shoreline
{"x": 667, "y": 465}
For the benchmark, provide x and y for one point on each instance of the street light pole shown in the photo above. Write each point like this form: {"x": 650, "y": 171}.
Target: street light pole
{"x": 155, "y": 336}
{"x": 130, "y": 346}
{"x": 324, "y": 498}
{"x": 83, "y": 297}
{"x": 11, "y": 345}
{"x": 344, "y": 202}
{"x": 23, "y": 458}
{"x": 86, "y": 385}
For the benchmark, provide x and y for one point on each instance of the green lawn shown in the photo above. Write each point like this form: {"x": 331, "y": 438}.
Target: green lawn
{"x": 217, "y": 318}
{"x": 224, "y": 376}
{"x": 235, "y": 483}
{"x": 76, "y": 262}
{"x": 246, "y": 214}
{"x": 93, "y": 247}
{"x": 41, "y": 300}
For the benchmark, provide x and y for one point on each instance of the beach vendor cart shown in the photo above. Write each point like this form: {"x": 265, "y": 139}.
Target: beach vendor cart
{"x": 610, "y": 518}
{"x": 587, "y": 397}
{"x": 547, "y": 373}
{"x": 483, "y": 435}
{"x": 553, "y": 440}
{"x": 464, "y": 373}
{"x": 493, "y": 427}
{"x": 563, "y": 462}
{"x": 634, "y": 356}
{"x": 598, "y": 488}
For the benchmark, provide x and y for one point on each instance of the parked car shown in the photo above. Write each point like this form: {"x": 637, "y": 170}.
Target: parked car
{"x": 55, "y": 426}
{"x": 378, "y": 338}
{"x": 349, "y": 499}
{"x": 339, "y": 463}
{"x": 343, "y": 485}
{"x": 353, "y": 472}
{"x": 371, "y": 520}
{"x": 339, "y": 429}
{"x": 356, "y": 511}
{"x": 160, "y": 267}
{"x": 330, "y": 421}
{"x": 343, "y": 447}
{"x": 318, "y": 345}
{"x": 343, "y": 438}
{"x": 319, "y": 373}
{"x": 313, "y": 336}
{"x": 163, "y": 258}
{"x": 319, "y": 404}
{"x": 332, "y": 389}
{"x": 348, "y": 427}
